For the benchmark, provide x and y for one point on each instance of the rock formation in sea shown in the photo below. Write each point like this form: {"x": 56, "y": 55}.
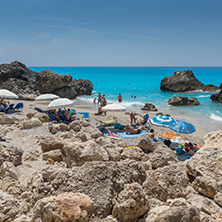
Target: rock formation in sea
{"x": 218, "y": 96}
{"x": 183, "y": 81}
{"x": 27, "y": 84}
{"x": 183, "y": 101}
{"x": 149, "y": 107}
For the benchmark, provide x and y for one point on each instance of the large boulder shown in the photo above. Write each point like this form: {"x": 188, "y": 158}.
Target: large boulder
{"x": 31, "y": 123}
{"x": 77, "y": 153}
{"x": 10, "y": 154}
{"x": 64, "y": 207}
{"x": 9, "y": 207}
{"x": 213, "y": 139}
{"x": 175, "y": 210}
{"x": 167, "y": 182}
{"x": 101, "y": 181}
{"x": 218, "y": 96}
{"x": 27, "y": 84}
{"x": 183, "y": 81}
{"x": 16, "y": 70}
{"x": 205, "y": 168}
{"x": 6, "y": 119}
{"x": 131, "y": 203}
{"x": 183, "y": 101}
{"x": 45, "y": 78}
{"x": 149, "y": 107}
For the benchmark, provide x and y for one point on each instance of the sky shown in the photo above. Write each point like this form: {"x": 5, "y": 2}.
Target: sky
{"x": 111, "y": 32}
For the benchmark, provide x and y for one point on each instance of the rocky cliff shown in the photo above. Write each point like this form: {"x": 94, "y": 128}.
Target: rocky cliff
{"x": 27, "y": 84}
{"x": 218, "y": 96}
{"x": 183, "y": 81}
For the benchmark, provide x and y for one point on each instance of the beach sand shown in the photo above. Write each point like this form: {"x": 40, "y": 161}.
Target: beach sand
{"x": 121, "y": 117}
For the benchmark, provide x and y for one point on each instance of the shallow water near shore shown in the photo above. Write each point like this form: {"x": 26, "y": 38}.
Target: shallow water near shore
{"x": 143, "y": 83}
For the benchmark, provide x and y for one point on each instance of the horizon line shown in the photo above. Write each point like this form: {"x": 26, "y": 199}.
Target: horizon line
{"x": 128, "y": 66}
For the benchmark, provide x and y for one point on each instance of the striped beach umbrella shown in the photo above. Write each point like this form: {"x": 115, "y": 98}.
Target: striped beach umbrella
{"x": 163, "y": 121}
{"x": 182, "y": 127}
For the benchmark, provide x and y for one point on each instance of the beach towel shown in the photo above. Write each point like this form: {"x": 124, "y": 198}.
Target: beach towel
{"x": 109, "y": 121}
{"x": 171, "y": 135}
{"x": 124, "y": 135}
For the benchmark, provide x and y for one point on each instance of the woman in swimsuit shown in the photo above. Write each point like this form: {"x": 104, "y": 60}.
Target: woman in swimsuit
{"x": 132, "y": 130}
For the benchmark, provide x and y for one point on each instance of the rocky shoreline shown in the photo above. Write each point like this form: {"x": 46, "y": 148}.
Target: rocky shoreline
{"x": 60, "y": 172}
{"x": 27, "y": 84}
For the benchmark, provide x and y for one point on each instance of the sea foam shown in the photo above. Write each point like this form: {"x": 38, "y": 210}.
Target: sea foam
{"x": 216, "y": 117}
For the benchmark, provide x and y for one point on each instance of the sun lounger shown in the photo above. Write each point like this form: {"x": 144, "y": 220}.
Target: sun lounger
{"x": 41, "y": 111}
{"x": 18, "y": 106}
{"x": 53, "y": 118}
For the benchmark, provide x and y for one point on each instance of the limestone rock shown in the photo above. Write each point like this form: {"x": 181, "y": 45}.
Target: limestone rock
{"x": 147, "y": 145}
{"x": 64, "y": 207}
{"x": 183, "y": 81}
{"x": 54, "y": 128}
{"x": 213, "y": 139}
{"x": 51, "y": 143}
{"x": 205, "y": 205}
{"x": 205, "y": 185}
{"x": 178, "y": 210}
{"x": 183, "y": 101}
{"x": 6, "y": 119}
{"x": 31, "y": 123}
{"x": 166, "y": 182}
{"x": 101, "y": 181}
{"x": 44, "y": 118}
{"x": 23, "y": 218}
{"x": 55, "y": 155}
{"x": 149, "y": 107}
{"x": 12, "y": 186}
{"x": 162, "y": 156}
{"x": 8, "y": 170}
{"x": 10, "y": 154}
{"x": 131, "y": 203}
{"x": 9, "y": 207}
{"x": 135, "y": 153}
{"x": 79, "y": 153}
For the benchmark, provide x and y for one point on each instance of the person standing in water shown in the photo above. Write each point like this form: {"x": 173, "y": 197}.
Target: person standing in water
{"x": 120, "y": 98}
{"x": 99, "y": 98}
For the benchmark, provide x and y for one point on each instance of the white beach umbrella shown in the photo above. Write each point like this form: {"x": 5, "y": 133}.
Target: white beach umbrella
{"x": 4, "y": 93}
{"x": 46, "y": 97}
{"x": 114, "y": 108}
{"x": 60, "y": 103}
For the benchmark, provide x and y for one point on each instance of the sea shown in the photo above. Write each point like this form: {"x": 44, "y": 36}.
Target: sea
{"x": 140, "y": 85}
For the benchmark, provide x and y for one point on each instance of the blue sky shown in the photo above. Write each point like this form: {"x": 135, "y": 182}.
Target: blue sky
{"x": 111, "y": 32}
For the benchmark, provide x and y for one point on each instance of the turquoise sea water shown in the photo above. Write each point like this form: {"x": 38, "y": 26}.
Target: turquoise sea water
{"x": 144, "y": 84}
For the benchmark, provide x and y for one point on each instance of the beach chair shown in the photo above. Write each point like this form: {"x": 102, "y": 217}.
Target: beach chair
{"x": 9, "y": 108}
{"x": 18, "y": 106}
{"x": 85, "y": 115}
{"x": 53, "y": 118}
{"x": 41, "y": 111}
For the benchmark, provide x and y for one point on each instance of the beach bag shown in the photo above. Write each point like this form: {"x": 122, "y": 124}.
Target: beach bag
{"x": 167, "y": 142}
{"x": 179, "y": 151}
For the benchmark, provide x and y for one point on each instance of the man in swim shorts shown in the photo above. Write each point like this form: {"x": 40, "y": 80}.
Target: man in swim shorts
{"x": 120, "y": 98}
{"x": 99, "y": 98}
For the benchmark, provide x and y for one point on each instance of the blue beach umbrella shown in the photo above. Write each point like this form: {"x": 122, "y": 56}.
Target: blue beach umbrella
{"x": 163, "y": 121}
{"x": 182, "y": 127}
